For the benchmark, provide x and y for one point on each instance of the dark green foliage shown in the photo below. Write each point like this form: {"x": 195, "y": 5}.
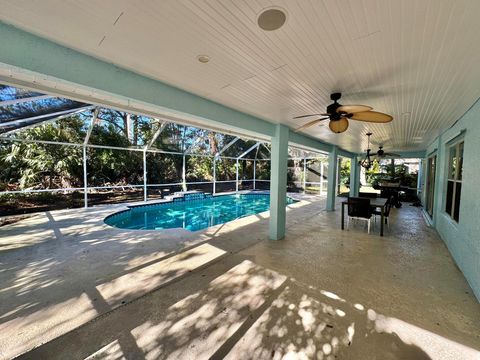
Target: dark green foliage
{"x": 389, "y": 171}
{"x": 33, "y": 165}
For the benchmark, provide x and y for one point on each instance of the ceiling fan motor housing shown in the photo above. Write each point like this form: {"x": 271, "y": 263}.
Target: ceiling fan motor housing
{"x": 332, "y": 110}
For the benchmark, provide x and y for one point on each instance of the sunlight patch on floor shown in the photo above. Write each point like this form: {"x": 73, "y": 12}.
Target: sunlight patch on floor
{"x": 436, "y": 346}
{"x": 112, "y": 351}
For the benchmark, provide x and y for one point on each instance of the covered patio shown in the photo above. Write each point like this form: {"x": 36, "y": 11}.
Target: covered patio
{"x": 75, "y": 287}
{"x": 234, "y": 87}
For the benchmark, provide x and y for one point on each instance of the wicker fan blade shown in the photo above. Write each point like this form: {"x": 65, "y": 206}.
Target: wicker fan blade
{"x": 392, "y": 154}
{"x": 304, "y": 116}
{"x": 372, "y": 116}
{"x": 354, "y": 108}
{"x": 310, "y": 123}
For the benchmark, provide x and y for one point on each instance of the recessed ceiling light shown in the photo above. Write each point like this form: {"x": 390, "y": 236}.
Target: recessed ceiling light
{"x": 272, "y": 18}
{"x": 203, "y": 58}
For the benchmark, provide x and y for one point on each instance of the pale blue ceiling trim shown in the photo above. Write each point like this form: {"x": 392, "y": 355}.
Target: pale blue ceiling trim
{"x": 411, "y": 154}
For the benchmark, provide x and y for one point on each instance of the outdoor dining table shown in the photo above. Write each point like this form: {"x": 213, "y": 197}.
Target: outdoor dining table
{"x": 374, "y": 203}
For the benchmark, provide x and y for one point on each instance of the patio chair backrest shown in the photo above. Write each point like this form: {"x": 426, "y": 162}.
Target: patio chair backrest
{"x": 388, "y": 205}
{"x": 359, "y": 207}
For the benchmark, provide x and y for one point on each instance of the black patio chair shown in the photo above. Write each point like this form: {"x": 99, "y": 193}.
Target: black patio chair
{"x": 359, "y": 209}
{"x": 388, "y": 206}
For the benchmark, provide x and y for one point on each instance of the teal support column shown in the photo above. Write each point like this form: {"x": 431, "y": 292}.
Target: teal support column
{"x": 278, "y": 183}
{"x": 354, "y": 176}
{"x": 420, "y": 178}
{"x": 332, "y": 177}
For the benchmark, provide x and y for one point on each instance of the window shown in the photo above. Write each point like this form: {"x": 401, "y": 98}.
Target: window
{"x": 454, "y": 180}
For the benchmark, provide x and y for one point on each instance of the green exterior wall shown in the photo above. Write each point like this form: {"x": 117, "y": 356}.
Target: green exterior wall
{"x": 462, "y": 238}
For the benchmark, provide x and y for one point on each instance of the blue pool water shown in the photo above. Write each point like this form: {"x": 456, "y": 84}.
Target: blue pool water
{"x": 191, "y": 215}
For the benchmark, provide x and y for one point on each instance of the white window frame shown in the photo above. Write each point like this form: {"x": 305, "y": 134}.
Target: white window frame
{"x": 454, "y": 178}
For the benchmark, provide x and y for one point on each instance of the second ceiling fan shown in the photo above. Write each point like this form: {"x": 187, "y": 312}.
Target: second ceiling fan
{"x": 383, "y": 154}
{"x": 339, "y": 114}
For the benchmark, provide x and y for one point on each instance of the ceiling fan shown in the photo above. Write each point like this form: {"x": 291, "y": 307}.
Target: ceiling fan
{"x": 339, "y": 114}
{"x": 382, "y": 154}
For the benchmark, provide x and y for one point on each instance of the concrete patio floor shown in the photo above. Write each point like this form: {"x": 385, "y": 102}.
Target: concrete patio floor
{"x": 73, "y": 287}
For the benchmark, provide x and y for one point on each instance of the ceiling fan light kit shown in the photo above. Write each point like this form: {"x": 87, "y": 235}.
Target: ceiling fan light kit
{"x": 338, "y": 126}
{"x": 367, "y": 162}
{"x": 339, "y": 114}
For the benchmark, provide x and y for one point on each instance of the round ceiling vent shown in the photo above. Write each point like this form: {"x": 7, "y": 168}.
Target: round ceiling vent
{"x": 272, "y": 19}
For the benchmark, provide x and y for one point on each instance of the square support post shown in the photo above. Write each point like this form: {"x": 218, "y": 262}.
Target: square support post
{"x": 420, "y": 178}
{"x": 278, "y": 182}
{"x": 332, "y": 177}
{"x": 354, "y": 176}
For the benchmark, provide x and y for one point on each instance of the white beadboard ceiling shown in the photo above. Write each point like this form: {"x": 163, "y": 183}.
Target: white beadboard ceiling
{"x": 417, "y": 60}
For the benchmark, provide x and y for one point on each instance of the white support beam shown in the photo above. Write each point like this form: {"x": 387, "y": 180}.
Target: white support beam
{"x": 129, "y": 127}
{"x": 227, "y": 146}
{"x": 265, "y": 146}
{"x": 24, "y": 100}
{"x": 254, "y": 173}
{"x": 321, "y": 177}
{"x": 195, "y": 142}
{"x": 214, "y": 175}
{"x": 145, "y": 175}
{"x": 184, "y": 182}
{"x": 92, "y": 123}
{"x": 85, "y": 178}
{"x": 247, "y": 151}
{"x": 63, "y": 114}
{"x": 38, "y": 117}
{"x": 160, "y": 129}
{"x": 236, "y": 178}
{"x": 305, "y": 175}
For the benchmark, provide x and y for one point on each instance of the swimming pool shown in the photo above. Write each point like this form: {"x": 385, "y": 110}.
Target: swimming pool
{"x": 192, "y": 215}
